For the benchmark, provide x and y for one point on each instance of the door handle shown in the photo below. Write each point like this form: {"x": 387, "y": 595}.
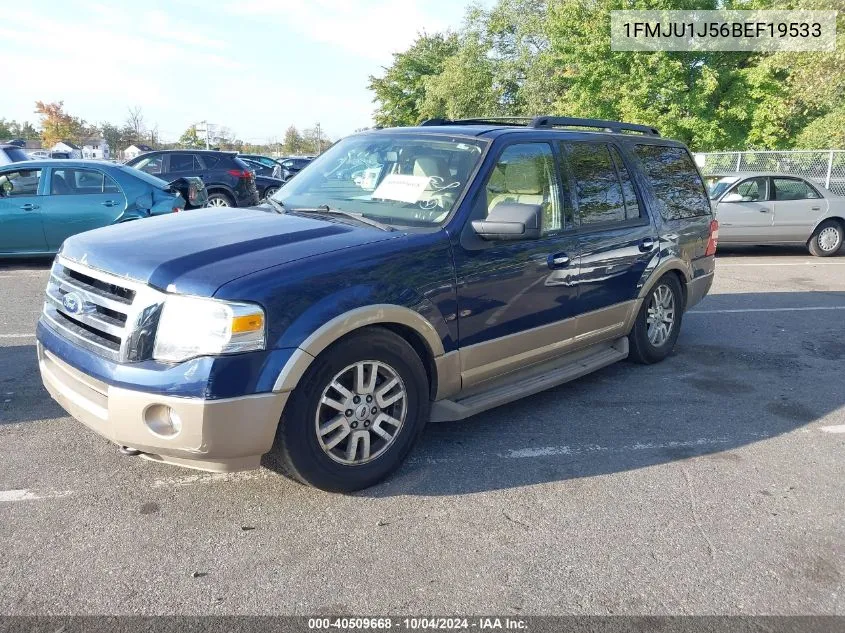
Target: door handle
{"x": 29, "y": 207}
{"x": 560, "y": 260}
{"x": 646, "y": 245}
{"x": 815, "y": 208}
{"x": 110, "y": 203}
{"x": 764, "y": 210}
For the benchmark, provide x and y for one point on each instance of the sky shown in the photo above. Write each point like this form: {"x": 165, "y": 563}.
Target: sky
{"x": 254, "y": 66}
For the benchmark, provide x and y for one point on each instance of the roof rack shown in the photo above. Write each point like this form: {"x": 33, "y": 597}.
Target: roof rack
{"x": 494, "y": 120}
{"x": 550, "y": 122}
{"x": 610, "y": 126}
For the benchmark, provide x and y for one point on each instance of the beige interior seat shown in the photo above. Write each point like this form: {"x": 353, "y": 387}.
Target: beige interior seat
{"x": 516, "y": 182}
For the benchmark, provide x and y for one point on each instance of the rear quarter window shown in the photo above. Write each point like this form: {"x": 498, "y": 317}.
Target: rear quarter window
{"x": 676, "y": 182}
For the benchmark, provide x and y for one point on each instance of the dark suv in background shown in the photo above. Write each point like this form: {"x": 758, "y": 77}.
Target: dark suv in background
{"x": 229, "y": 180}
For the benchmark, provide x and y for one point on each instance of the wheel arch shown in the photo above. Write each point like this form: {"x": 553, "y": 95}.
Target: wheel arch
{"x": 835, "y": 218}
{"x": 674, "y": 266}
{"x": 404, "y": 322}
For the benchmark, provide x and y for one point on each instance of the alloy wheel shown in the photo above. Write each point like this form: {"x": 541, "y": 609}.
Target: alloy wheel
{"x": 361, "y": 412}
{"x": 828, "y": 239}
{"x": 661, "y": 315}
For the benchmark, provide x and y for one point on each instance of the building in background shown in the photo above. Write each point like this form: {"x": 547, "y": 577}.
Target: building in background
{"x": 95, "y": 148}
{"x": 66, "y": 147}
{"x": 133, "y": 151}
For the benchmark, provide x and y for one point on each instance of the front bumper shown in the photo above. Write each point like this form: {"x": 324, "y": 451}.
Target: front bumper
{"x": 223, "y": 435}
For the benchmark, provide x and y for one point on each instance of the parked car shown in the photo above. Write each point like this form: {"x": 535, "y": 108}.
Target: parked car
{"x": 489, "y": 262}
{"x": 293, "y": 165}
{"x": 771, "y": 208}
{"x": 267, "y": 183}
{"x": 228, "y": 180}
{"x": 11, "y": 154}
{"x": 43, "y": 202}
{"x": 270, "y": 163}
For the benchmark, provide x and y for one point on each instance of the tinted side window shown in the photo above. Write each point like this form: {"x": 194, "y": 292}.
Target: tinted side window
{"x": 597, "y": 187}
{"x": 150, "y": 164}
{"x": 183, "y": 162}
{"x": 20, "y": 183}
{"x": 210, "y": 161}
{"x": 632, "y": 204}
{"x": 793, "y": 189}
{"x": 677, "y": 185}
{"x": 524, "y": 174}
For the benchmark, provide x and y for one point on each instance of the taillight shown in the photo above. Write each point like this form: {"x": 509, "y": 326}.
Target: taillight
{"x": 241, "y": 173}
{"x": 176, "y": 209}
{"x": 713, "y": 239}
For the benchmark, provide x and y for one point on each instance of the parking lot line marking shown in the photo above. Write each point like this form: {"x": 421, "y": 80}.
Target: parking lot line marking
{"x": 836, "y": 428}
{"x": 25, "y": 273}
{"x": 31, "y": 495}
{"x": 762, "y": 264}
{"x": 205, "y": 478}
{"x": 739, "y": 310}
{"x": 18, "y": 335}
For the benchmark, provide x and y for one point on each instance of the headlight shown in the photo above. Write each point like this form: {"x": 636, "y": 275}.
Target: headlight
{"x": 190, "y": 326}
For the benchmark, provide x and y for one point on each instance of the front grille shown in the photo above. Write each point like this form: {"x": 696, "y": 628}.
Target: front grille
{"x": 100, "y": 311}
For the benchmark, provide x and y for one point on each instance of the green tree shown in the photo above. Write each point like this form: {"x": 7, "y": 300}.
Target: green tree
{"x": 57, "y": 125}
{"x": 401, "y": 91}
{"x": 293, "y": 143}
{"x": 190, "y": 139}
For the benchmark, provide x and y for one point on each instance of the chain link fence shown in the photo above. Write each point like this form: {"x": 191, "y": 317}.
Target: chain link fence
{"x": 824, "y": 167}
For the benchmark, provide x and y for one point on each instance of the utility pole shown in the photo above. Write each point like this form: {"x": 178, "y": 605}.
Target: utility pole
{"x": 205, "y": 129}
{"x": 319, "y": 138}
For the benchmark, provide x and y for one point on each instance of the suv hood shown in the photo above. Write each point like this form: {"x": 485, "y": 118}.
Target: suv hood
{"x": 196, "y": 252}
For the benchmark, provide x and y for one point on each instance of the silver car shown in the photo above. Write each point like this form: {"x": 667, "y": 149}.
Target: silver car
{"x": 768, "y": 208}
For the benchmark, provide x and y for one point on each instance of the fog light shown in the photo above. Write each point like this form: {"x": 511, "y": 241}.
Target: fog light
{"x": 162, "y": 420}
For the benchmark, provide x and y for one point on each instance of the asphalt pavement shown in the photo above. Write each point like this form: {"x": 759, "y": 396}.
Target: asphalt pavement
{"x": 711, "y": 483}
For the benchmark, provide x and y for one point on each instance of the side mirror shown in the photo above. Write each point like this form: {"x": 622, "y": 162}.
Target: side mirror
{"x": 732, "y": 197}
{"x": 510, "y": 221}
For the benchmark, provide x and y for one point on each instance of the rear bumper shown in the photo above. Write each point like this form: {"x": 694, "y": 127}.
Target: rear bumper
{"x": 221, "y": 435}
{"x": 698, "y": 288}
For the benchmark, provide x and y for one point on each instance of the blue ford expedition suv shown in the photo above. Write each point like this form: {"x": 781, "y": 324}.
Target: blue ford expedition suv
{"x": 406, "y": 275}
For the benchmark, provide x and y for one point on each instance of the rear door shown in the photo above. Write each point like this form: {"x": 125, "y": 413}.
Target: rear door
{"x": 80, "y": 199}
{"x": 798, "y": 206}
{"x": 21, "y": 229}
{"x": 616, "y": 238}
{"x": 745, "y": 212}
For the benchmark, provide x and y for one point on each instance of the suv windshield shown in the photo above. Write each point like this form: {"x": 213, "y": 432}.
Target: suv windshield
{"x": 398, "y": 179}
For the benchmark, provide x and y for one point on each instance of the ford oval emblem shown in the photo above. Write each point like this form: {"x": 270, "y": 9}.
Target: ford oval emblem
{"x": 73, "y": 303}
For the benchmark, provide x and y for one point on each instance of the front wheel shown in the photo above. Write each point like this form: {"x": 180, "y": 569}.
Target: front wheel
{"x": 658, "y": 322}
{"x": 269, "y": 191}
{"x": 827, "y": 239}
{"x": 355, "y": 414}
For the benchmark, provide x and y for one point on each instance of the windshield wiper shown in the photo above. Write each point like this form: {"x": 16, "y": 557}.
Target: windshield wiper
{"x": 360, "y": 217}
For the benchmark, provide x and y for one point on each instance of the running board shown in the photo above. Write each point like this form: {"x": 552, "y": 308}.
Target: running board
{"x": 531, "y": 380}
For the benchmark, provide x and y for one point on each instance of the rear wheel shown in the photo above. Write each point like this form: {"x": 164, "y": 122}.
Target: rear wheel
{"x": 269, "y": 191}
{"x": 218, "y": 199}
{"x": 355, "y": 414}
{"x": 658, "y": 322}
{"x": 827, "y": 239}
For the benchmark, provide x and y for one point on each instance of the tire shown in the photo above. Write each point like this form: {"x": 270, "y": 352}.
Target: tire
{"x": 269, "y": 191}
{"x": 647, "y": 345}
{"x": 322, "y": 460}
{"x": 827, "y": 239}
{"x": 219, "y": 199}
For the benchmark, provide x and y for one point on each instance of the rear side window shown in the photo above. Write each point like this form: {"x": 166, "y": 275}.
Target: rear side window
{"x": 184, "y": 162}
{"x": 597, "y": 186}
{"x": 80, "y": 181}
{"x": 678, "y": 187}
{"x": 632, "y": 204}
{"x": 210, "y": 161}
{"x": 793, "y": 189}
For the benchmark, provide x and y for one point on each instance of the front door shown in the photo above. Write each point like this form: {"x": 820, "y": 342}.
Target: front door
{"x": 20, "y": 212}
{"x": 798, "y": 208}
{"x": 517, "y": 300}
{"x": 745, "y": 212}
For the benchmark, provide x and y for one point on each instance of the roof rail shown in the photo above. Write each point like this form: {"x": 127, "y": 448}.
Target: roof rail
{"x": 610, "y": 126}
{"x": 494, "y": 120}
